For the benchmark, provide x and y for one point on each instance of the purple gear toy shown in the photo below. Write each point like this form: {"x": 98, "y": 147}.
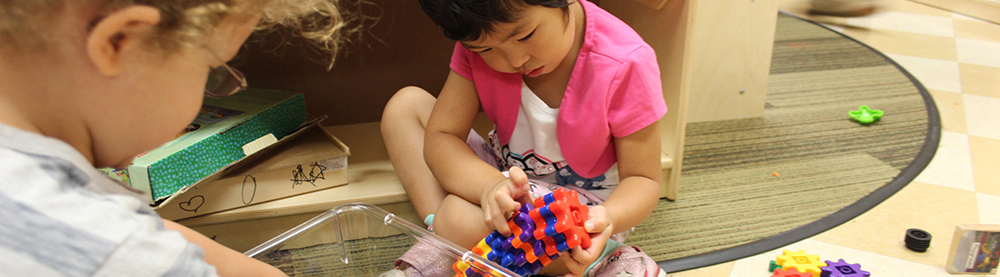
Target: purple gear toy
{"x": 843, "y": 269}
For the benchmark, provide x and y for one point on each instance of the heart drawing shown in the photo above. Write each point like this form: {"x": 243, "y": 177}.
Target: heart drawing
{"x": 192, "y": 204}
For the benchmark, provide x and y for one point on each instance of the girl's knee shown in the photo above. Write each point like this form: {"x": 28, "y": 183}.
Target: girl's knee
{"x": 407, "y": 97}
{"x": 410, "y": 93}
{"x": 407, "y": 103}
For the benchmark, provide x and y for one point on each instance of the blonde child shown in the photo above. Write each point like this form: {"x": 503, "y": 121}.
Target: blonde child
{"x": 92, "y": 83}
{"x": 574, "y": 95}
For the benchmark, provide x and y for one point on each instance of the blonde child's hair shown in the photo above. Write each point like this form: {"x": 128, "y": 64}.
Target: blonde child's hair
{"x": 183, "y": 24}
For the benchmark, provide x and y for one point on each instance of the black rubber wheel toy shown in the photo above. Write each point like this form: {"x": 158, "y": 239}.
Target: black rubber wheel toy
{"x": 917, "y": 240}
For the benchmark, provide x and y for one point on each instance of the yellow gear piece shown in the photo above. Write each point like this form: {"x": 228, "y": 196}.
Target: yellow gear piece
{"x": 800, "y": 261}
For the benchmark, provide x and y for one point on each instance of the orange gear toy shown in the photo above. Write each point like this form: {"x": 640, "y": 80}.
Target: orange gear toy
{"x": 538, "y": 236}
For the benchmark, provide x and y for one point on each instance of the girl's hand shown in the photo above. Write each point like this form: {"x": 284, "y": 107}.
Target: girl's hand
{"x": 600, "y": 228}
{"x": 498, "y": 201}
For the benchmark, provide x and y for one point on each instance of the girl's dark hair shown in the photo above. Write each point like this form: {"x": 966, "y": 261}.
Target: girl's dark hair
{"x": 466, "y": 20}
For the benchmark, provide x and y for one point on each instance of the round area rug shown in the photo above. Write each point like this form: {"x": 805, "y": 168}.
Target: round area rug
{"x": 753, "y": 185}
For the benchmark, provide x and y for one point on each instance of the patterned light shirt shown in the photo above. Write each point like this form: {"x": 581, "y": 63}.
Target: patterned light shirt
{"x": 59, "y": 216}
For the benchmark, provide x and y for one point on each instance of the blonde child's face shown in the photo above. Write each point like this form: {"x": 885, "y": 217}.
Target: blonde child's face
{"x": 115, "y": 82}
{"x": 162, "y": 95}
{"x": 533, "y": 45}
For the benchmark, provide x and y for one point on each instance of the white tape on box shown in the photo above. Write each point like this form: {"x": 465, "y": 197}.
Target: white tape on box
{"x": 258, "y": 144}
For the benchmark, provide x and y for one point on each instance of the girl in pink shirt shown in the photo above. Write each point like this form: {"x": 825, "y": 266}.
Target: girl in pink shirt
{"x": 574, "y": 95}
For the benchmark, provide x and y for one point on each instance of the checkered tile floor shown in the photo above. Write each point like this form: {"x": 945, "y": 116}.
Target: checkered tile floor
{"x": 957, "y": 58}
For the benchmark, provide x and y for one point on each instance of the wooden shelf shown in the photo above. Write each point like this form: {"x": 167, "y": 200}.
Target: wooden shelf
{"x": 666, "y": 162}
{"x": 371, "y": 177}
{"x": 371, "y": 180}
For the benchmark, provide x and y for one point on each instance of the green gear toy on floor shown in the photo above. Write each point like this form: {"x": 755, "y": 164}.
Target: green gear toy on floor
{"x": 865, "y": 115}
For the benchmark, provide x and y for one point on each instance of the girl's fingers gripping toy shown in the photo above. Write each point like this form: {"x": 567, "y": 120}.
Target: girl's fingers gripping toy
{"x": 539, "y": 233}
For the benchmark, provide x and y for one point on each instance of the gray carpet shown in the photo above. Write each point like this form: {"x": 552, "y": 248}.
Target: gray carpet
{"x": 752, "y": 185}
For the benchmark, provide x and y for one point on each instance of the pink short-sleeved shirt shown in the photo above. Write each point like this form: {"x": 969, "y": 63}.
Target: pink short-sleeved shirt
{"x": 614, "y": 91}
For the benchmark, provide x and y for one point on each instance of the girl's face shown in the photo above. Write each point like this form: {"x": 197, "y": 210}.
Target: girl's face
{"x": 533, "y": 45}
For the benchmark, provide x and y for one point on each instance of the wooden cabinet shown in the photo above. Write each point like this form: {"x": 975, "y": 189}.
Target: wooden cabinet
{"x": 714, "y": 59}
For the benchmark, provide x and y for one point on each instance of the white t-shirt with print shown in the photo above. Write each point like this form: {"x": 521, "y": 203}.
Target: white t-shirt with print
{"x": 534, "y": 146}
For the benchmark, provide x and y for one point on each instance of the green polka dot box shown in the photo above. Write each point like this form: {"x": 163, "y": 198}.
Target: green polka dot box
{"x": 226, "y": 130}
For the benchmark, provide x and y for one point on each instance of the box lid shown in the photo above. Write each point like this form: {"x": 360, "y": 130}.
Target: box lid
{"x": 217, "y": 116}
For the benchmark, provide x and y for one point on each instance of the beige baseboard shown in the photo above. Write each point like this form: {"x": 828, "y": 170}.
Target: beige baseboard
{"x": 988, "y": 10}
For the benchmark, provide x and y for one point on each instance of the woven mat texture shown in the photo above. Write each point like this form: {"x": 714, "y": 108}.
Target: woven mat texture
{"x": 748, "y": 179}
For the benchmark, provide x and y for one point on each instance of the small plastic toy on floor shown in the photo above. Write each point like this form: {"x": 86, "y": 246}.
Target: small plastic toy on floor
{"x": 539, "y": 233}
{"x": 865, "y": 115}
{"x": 799, "y": 264}
{"x": 790, "y": 273}
{"x": 843, "y": 269}
{"x": 801, "y": 261}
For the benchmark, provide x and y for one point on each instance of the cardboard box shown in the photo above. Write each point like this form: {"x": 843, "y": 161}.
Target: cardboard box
{"x": 308, "y": 160}
{"x": 975, "y": 249}
{"x": 226, "y": 130}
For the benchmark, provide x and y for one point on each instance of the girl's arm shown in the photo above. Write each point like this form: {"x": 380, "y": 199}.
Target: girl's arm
{"x": 454, "y": 164}
{"x": 631, "y": 202}
{"x": 639, "y": 171}
{"x": 459, "y": 170}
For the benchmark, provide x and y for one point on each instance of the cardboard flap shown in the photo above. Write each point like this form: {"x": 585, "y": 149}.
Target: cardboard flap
{"x": 247, "y": 159}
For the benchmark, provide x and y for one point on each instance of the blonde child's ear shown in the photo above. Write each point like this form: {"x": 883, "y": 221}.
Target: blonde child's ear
{"x": 122, "y": 30}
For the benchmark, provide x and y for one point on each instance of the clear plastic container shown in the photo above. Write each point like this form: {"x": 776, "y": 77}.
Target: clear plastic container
{"x": 358, "y": 240}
